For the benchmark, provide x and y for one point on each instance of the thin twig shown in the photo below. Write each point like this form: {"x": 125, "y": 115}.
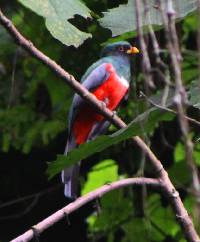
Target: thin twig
{"x": 156, "y": 50}
{"x": 22, "y": 213}
{"x": 194, "y": 121}
{"x": 146, "y": 64}
{"x": 60, "y": 214}
{"x": 176, "y": 203}
{"x": 25, "y": 198}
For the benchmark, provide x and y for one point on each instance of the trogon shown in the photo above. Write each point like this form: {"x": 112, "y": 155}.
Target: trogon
{"x": 108, "y": 79}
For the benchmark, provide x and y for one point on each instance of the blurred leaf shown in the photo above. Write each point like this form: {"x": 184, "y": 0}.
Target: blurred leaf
{"x": 102, "y": 173}
{"x": 6, "y": 140}
{"x": 179, "y": 174}
{"x": 115, "y": 209}
{"x": 154, "y": 115}
{"x": 122, "y": 19}
{"x": 190, "y": 66}
{"x": 179, "y": 153}
{"x": 194, "y": 97}
{"x": 137, "y": 229}
{"x": 196, "y": 153}
{"x": 56, "y": 14}
{"x": 42, "y": 130}
{"x": 190, "y": 24}
{"x": 165, "y": 220}
{"x": 6, "y": 43}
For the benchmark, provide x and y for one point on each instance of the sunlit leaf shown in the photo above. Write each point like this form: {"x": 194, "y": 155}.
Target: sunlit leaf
{"x": 102, "y": 173}
{"x": 197, "y": 154}
{"x": 165, "y": 220}
{"x": 179, "y": 153}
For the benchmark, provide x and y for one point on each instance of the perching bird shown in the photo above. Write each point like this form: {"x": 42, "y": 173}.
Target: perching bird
{"x": 108, "y": 79}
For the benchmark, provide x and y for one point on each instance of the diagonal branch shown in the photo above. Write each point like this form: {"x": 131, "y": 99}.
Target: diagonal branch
{"x": 96, "y": 194}
{"x": 170, "y": 191}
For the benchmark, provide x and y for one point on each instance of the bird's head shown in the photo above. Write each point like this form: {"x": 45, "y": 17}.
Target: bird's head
{"x": 123, "y": 48}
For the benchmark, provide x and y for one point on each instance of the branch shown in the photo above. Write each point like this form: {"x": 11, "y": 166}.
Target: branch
{"x": 176, "y": 203}
{"x": 64, "y": 212}
{"x": 194, "y": 121}
{"x": 146, "y": 64}
{"x": 22, "y": 199}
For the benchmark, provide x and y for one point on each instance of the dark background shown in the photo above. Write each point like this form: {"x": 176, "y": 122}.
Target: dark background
{"x": 33, "y": 121}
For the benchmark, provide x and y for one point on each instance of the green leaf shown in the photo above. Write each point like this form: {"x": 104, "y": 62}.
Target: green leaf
{"x": 194, "y": 97}
{"x": 165, "y": 220}
{"x": 154, "y": 115}
{"x": 56, "y": 14}
{"x": 179, "y": 153}
{"x": 115, "y": 209}
{"x": 102, "y": 173}
{"x": 6, "y": 43}
{"x": 137, "y": 228}
{"x": 196, "y": 154}
{"x": 122, "y": 19}
{"x": 179, "y": 174}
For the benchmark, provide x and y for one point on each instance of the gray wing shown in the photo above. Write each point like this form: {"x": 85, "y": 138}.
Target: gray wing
{"x": 96, "y": 78}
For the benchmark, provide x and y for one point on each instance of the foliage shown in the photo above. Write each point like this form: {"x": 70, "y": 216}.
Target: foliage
{"x": 57, "y": 13}
{"x": 153, "y": 115}
{"x": 100, "y": 174}
{"x": 127, "y": 20}
{"x": 194, "y": 94}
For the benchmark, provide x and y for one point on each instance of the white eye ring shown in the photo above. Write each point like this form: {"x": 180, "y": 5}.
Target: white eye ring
{"x": 121, "y": 48}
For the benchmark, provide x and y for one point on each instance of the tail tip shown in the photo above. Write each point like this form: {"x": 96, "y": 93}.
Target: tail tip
{"x": 68, "y": 192}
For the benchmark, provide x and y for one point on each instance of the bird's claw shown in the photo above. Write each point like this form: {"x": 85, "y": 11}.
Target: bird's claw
{"x": 114, "y": 114}
{"x": 103, "y": 104}
{"x": 36, "y": 233}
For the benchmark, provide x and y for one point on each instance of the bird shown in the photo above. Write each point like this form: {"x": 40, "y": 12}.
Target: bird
{"x": 108, "y": 79}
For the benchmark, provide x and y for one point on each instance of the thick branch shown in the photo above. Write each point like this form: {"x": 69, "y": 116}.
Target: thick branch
{"x": 64, "y": 212}
{"x": 185, "y": 221}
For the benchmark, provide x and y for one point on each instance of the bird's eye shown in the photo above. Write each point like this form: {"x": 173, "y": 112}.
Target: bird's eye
{"x": 121, "y": 48}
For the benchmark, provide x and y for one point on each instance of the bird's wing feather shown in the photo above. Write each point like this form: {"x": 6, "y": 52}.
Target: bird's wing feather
{"x": 96, "y": 78}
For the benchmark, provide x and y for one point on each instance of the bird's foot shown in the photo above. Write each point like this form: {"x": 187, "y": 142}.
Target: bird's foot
{"x": 36, "y": 233}
{"x": 114, "y": 114}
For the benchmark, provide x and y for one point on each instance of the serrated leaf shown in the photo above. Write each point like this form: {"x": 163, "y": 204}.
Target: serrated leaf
{"x": 154, "y": 115}
{"x": 56, "y": 14}
{"x": 122, "y": 19}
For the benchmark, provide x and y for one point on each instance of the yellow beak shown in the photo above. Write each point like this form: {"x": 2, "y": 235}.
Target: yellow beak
{"x": 133, "y": 50}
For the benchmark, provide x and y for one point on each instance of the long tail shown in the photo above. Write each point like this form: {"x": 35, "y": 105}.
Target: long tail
{"x": 70, "y": 176}
{"x": 70, "y": 180}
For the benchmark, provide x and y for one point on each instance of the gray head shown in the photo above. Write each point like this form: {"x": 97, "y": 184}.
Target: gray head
{"x": 123, "y": 48}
